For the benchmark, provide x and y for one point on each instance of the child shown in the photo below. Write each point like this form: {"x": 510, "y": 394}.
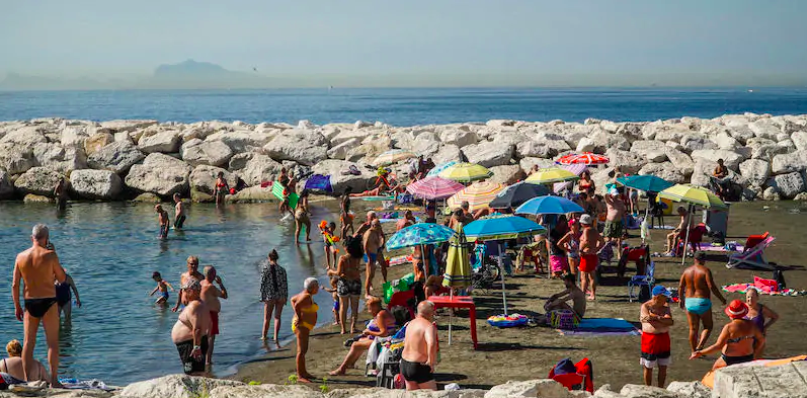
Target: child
{"x": 330, "y": 242}
{"x": 163, "y": 287}
{"x": 335, "y": 295}
{"x": 165, "y": 223}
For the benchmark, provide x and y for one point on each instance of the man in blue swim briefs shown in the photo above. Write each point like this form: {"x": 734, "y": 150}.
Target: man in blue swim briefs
{"x": 695, "y": 293}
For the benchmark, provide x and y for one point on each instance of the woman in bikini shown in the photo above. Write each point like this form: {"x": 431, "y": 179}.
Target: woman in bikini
{"x": 741, "y": 341}
{"x": 11, "y": 368}
{"x": 305, "y": 318}
{"x": 585, "y": 182}
{"x": 758, "y": 313}
{"x": 571, "y": 243}
{"x": 382, "y": 325}
{"x": 301, "y": 218}
{"x": 222, "y": 189}
{"x": 349, "y": 284}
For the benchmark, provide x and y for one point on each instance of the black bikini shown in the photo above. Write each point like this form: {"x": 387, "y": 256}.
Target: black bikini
{"x": 37, "y": 308}
{"x": 733, "y": 360}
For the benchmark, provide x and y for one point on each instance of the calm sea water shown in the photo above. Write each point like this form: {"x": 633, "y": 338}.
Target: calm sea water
{"x": 401, "y": 107}
{"x": 110, "y": 249}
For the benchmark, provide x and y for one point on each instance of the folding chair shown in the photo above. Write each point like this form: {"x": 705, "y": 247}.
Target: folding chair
{"x": 751, "y": 258}
{"x": 642, "y": 280}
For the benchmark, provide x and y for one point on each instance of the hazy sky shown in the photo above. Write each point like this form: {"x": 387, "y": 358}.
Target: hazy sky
{"x": 529, "y": 40}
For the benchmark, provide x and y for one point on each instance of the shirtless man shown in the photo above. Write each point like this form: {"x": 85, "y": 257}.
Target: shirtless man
{"x": 694, "y": 291}
{"x": 590, "y": 244}
{"x": 60, "y": 192}
{"x": 210, "y": 296}
{"x": 680, "y": 230}
{"x": 179, "y": 212}
{"x": 419, "y": 356}
{"x": 613, "y": 220}
{"x": 190, "y": 332}
{"x": 39, "y": 269}
{"x": 366, "y": 225}
{"x": 193, "y": 273}
{"x": 560, "y": 300}
{"x": 372, "y": 241}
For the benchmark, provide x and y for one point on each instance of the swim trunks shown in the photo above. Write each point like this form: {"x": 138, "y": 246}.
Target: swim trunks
{"x": 346, "y": 288}
{"x": 37, "y": 308}
{"x": 372, "y": 257}
{"x": 179, "y": 221}
{"x": 416, "y": 372}
{"x": 655, "y": 350}
{"x": 214, "y": 323}
{"x": 588, "y": 262}
{"x": 164, "y": 295}
{"x": 336, "y": 304}
{"x": 558, "y": 263}
{"x": 613, "y": 229}
{"x": 697, "y": 305}
{"x": 189, "y": 363}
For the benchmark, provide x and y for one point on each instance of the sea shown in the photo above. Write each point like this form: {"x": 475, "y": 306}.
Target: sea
{"x": 111, "y": 250}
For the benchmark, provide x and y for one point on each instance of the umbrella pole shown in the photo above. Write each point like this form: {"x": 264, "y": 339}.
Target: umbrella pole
{"x": 686, "y": 239}
{"x": 451, "y": 317}
{"x": 501, "y": 269}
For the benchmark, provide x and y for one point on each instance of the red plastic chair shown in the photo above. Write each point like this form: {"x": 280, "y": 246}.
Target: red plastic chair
{"x": 402, "y": 299}
{"x": 582, "y": 380}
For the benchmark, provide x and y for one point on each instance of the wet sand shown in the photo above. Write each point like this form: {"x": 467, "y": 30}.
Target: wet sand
{"x": 530, "y": 352}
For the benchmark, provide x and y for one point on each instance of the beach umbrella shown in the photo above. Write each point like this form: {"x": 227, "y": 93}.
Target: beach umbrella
{"x": 693, "y": 196}
{"x": 478, "y": 195}
{"x": 550, "y": 175}
{"x": 392, "y": 156}
{"x": 436, "y": 171}
{"x": 419, "y": 234}
{"x": 515, "y": 195}
{"x": 502, "y": 227}
{"x": 583, "y": 158}
{"x": 577, "y": 169}
{"x": 647, "y": 183}
{"x": 466, "y": 172}
{"x": 458, "y": 273}
{"x": 434, "y": 188}
{"x": 549, "y": 205}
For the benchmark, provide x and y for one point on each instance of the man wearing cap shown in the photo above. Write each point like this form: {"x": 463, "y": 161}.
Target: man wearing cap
{"x": 190, "y": 332}
{"x": 590, "y": 244}
{"x": 695, "y": 293}
{"x": 656, "y": 320}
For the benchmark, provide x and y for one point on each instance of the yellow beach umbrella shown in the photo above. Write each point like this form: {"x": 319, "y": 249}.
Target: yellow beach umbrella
{"x": 466, "y": 172}
{"x": 392, "y": 157}
{"x": 551, "y": 175}
{"x": 478, "y": 195}
{"x": 694, "y": 196}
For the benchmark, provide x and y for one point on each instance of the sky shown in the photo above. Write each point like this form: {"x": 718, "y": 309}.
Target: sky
{"x": 417, "y": 42}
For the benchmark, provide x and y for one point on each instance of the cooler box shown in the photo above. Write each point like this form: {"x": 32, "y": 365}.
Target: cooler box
{"x": 667, "y": 205}
{"x": 717, "y": 221}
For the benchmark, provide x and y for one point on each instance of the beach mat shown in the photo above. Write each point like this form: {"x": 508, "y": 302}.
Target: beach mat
{"x": 277, "y": 190}
{"x": 739, "y": 248}
{"x": 602, "y": 327}
{"x": 742, "y": 288}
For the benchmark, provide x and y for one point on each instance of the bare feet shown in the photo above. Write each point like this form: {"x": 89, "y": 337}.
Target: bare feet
{"x": 338, "y": 372}
{"x": 56, "y": 384}
{"x": 304, "y": 380}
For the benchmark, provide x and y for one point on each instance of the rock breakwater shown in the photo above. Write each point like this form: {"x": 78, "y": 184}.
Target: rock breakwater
{"x": 123, "y": 159}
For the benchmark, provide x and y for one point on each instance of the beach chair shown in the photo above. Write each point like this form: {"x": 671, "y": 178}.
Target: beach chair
{"x": 647, "y": 280}
{"x": 751, "y": 257}
{"x": 696, "y": 235}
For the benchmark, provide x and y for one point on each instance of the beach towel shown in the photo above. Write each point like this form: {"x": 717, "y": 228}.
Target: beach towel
{"x": 319, "y": 182}
{"x": 742, "y": 288}
{"x": 603, "y": 327}
{"x": 398, "y": 260}
{"x": 76, "y": 384}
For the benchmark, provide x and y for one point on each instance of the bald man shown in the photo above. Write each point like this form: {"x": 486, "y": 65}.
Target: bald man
{"x": 420, "y": 350}
{"x": 210, "y": 296}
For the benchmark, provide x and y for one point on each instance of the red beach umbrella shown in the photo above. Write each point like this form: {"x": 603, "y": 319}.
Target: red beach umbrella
{"x": 583, "y": 158}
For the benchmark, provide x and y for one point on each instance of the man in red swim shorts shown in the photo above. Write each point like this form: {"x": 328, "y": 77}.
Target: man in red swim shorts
{"x": 590, "y": 244}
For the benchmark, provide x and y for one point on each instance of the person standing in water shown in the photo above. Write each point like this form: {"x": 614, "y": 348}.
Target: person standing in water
{"x": 38, "y": 268}
{"x": 211, "y": 295}
{"x": 179, "y": 212}
{"x": 165, "y": 222}
{"x": 302, "y": 219}
{"x": 162, "y": 287}
{"x": 190, "y": 332}
{"x": 64, "y": 298}
{"x": 305, "y": 318}
{"x": 695, "y": 291}
{"x": 192, "y": 274}
{"x": 345, "y": 218}
{"x": 274, "y": 293}
{"x": 60, "y": 192}
{"x": 222, "y": 189}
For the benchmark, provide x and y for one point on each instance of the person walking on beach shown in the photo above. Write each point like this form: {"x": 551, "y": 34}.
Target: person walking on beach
{"x": 211, "y": 295}
{"x": 179, "y": 212}
{"x": 190, "y": 332}
{"x": 590, "y": 244}
{"x": 372, "y": 243}
{"x": 419, "y": 356}
{"x": 304, "y": 321}
{"x": 615, "y": 212}
{"x": 349, "y": 284}
{"x": 12, "y": 369}
{"x": 60, "y": 193}
{"x": 274, "y": 293}
{"x": 345, "y": 218}
{"x": 64, "y": 298}
{"x": 38, "y": 268}
{"x": 165, "y": 222}
{"x": 192, "y": 274}
{"x": 695, "y": 291}
{"x": 656, "y": 320}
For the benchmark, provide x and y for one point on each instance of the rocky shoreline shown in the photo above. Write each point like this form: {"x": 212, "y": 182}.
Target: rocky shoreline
{"x": 145, "y": 159}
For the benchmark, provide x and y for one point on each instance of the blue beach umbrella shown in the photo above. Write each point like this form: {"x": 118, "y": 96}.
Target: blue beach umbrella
{"x": 419, "y": 234}
{"x": 549, "y": 205}
{"x": 647, "y": 183}
{"x": 435, "y": 171}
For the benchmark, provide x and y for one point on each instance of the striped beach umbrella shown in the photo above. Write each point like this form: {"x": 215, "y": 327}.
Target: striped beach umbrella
{"x": 466, "y": 172}
{"x": 434, "y": 188}
{"x": 583, "y": 158}
{"x": 437, "y": 170}
{"x": 478, "y": 195}
{"x": 392, "y": 157}
{"x": 551, "y": 175}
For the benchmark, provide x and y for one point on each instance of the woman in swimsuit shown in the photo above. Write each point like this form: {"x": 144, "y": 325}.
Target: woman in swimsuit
{"x": 11, "y": 368}
{"x": 571, "y": 243}
{"x": 222, "y": 188}
{"x": 189, "y": 334}
{"x": 382, "y": 325}
{"x": 585, "y": 182}
{"x": 741, "y": 341}
{"x": 301, "y": 218}
{"x": 305, "y": 318}
{"x": 757, "y": 313}
{"x": 274, "y": 293}
{"x": 349, "y": 284}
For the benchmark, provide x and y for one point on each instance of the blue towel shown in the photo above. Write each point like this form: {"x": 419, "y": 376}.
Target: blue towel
{"x": 319, "y": 182}
{"x": 605, "y": 325}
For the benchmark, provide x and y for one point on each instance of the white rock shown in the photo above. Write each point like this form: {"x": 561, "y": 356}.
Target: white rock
{"x": 361, "y": 124}
{"x": 260, "y": 168}
{"x": 213, "y": 153}
{"x": 117, "y": 157}
{"x": 127, "y": 125}
{"x": 656, "y": 156}
{"x": 692, "y": 389}
{"x": 789, "y": 185}
{"x": 447, "y": 153}
{"x": 74, "y": 136}
{"x": 97, "y": 141}
{"x": 630, "y": 162}
{"x": 741, "y": 133}
{"x": 695, "y": 141}
{"x": 665, "y": 170}
{"x": 203, "y": 179}
{"x": 642, "y": 147}
{"x": 770, "y": 194}
{"x": 340, "y": 151}
{"x": 585, "y": 144}
{"x": 159, "y": 174}
{"x": 765, "y": 128}
{"x": 532, "y": 388}
{"x": 123, "y": 137}
{"x": 636, "y": 391}
{"x": 306, "y": 125}
{"x": 756, "y": 171}
{"x": 500, "y": 123}
{"x": 790, "y": 162}
{"x": 541, "y": 149}
{"x": 460, "y": 138}
{"x": 175, "y": 386}
{"x": 762, "y": 381}
{"x": 16, "y": 159}
{"x": 239, "y": 161}
{"x": 38, "y": 181}
{"x": 731, "y": 159}
{"x": 27, "y": 137}
{"x": 488, "y": 155}
{"x": 302, "y": 146}
{"x": 526, "y": 164}
{"x": 799, "y": 139}
{"x": 6, "y": 188}
{"x": 681, "y": 161}
{"x": 245, "y": 141}
{"x": 196, "y": 132}
{"x": 507, "y": 175}
{"x": 767, "y": 152}
{"x": 340, "y": 181}
{"x": 165, "y": 142}
{"x": 254, "y": 194}
{"x": 96, "y": 184}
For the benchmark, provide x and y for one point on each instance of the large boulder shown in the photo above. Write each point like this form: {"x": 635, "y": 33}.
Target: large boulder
{"x": 117, "y": 157}
{"x": 126, "y": 125}
{"x": 637, "y": 391}
{"x": 799, "y": 139}
{"x": 302, "y": 146}
{"x": 26, "y": 137}
{"x": 175, "y": 386}
{"x": 761, "y": 381}
{"x": 765, "y": 128}
{"x": 680, "y": 160}
{"x": 97, "y": 141}
{"x": 542, "y": 144}
{"x": 340, "y": 181}
{"x": 38, "y": 181}
{"x": 460, "y": 138}
{"x": 62, "y": 159}
{"x": 630, "y": 162}
{"x": 245, "y": 141}
{"x": 731, "y": 159}
{"x": 725, "y": 141}
{"x": 213, "y": 153}
{"x": 260, "y": 168}
{"x": 6, "y": 188}
{"x": 790, "y": 162}
{"x": 487, "y": 155}
{"x": 527, "y": 164}
{"x": 340, "y": 151}
{"x": 164, "y": 142}
{"x": 74, "y": 136}
{"x": 96, "y": 184}
{"x": 239, "y": 161}
{"x": 507, "y": 175}
{"x": 788, "y": 185}
{"x": 16, "y": 159}
{"x": 532, "y": 388}
{"x": 256, "y": 194}
{"x": 692, "y": 389}
{"x": 447, "y": 153}
{"x": 160, "y": 174}
{"x": 755, "y": 171}
{"x": 665, "y": 170}
{"x": 203, "y": 179}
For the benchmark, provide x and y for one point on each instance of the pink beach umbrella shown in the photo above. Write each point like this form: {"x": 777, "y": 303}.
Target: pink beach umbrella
{"x": 434, "y": 188}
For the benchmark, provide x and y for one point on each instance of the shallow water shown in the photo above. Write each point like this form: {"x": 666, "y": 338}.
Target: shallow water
{"x": 111, "y": 250}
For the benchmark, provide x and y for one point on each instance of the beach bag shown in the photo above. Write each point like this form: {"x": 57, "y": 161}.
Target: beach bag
{"x": 563, "y": 319}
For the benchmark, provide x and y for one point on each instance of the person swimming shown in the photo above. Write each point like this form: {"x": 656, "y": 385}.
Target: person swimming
{"x": 162, "y": 287}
